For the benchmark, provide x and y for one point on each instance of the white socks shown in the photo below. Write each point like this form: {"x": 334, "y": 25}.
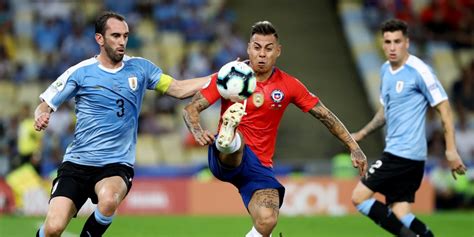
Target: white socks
{"x": 254, "y": 233}
{"x": 233, "y": 146}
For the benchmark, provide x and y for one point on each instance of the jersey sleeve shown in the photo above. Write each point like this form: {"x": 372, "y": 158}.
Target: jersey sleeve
{"x": 431, "y": 88}
{"x": 164, "y": 83}
{"x": 382, "y": 71}
{"x": 209, "y": 90}
{"x": 155, "y": 78}
{"x": 302, "y": 98}
{"x": 61, "y": 90}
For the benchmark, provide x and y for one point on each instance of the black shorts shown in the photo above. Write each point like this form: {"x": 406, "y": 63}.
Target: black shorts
{"x": 77, "y": 182}
{"x": 395, "y": 177}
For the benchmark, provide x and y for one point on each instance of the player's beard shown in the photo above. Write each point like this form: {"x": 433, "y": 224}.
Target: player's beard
{"x": 115, "y": 57}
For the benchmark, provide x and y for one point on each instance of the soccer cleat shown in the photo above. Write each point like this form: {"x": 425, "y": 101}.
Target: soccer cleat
{"x": 230, "y": 120}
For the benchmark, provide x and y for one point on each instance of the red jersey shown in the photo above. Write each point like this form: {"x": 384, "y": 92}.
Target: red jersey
{"x": 265, "y": 109}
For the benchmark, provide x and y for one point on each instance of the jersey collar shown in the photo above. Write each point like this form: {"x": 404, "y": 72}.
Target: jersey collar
{"x": 110, "y": 70}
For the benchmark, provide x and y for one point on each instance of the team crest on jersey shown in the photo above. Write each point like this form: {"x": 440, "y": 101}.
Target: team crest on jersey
{"x": 399, "y": 86}
{"x": 277, "y": 96}
{"x": 133, "y": 83}
{"x": 257, "y": 99}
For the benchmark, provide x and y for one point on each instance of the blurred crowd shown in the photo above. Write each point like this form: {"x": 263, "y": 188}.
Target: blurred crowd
{"x": 40, "y": 39}
{"x": 434, "y": 22}
{"x": 439, "y": 20}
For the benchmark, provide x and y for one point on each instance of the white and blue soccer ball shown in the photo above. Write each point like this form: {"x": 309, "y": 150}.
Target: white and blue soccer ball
{"x": 236, "y": 81}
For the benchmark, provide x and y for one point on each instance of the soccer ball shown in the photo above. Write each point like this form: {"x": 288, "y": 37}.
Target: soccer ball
{"x": 236, "y": 81}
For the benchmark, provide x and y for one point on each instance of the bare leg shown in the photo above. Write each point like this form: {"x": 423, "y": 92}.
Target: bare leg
{"x": 264, "y": 209}
{"x": 60, "y": 212}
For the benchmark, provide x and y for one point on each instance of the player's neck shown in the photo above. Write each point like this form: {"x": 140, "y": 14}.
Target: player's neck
{"x": 397, "y": 65}
{"x": 261, "y": 77}
{"x": 107, "y": 62}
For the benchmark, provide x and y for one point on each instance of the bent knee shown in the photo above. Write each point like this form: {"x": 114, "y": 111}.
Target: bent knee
{"x": 266, "y": 222}
{"x": 269, "y": 221}
{"x": 54, "y": 227}
{"x": 360, "y": 194}
{"x": 107, "y": 206}
{"x": 357, "y": 199}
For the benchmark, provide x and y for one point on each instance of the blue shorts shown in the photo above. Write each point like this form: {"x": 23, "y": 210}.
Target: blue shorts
{"x": 248, "y": 177}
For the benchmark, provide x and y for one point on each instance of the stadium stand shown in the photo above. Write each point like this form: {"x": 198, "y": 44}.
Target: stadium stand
{"x": 39, "y": 40}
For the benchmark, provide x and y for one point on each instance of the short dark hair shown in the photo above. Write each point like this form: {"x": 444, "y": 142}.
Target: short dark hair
{"x": 264, "y": 28}
{"x": 101, "y": 21}
{"x": 393, "y": 25}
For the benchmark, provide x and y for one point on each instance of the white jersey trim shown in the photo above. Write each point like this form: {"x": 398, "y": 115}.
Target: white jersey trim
{"x": 428, "y": 78}
{"x": 61, "y": 81}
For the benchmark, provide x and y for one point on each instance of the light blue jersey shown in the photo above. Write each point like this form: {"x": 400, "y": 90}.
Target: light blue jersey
{"x": 108, "y": 102}
{"x": 405, "y": 95}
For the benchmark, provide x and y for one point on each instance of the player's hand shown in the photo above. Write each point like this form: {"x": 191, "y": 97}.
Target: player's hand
{"x": 358, "y": 136}
{"x": 359, "y": 161}
{"x": 41, "y": 121}
{"x": 455, "y": 163}
{"x": 204, "y": 137}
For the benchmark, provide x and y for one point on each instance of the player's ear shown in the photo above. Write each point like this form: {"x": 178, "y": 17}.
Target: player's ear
{"x": 278, "y": 50}
{"x": 99, "y": 38}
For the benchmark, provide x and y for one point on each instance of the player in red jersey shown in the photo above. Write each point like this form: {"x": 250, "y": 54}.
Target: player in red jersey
{"x": 243, "y": 152}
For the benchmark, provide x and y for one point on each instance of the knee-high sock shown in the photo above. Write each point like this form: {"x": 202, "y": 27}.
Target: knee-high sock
{"x": 414, "y": 224}
{"x": 254, "y": 233}
{"x": 96, "y": 224}
{"x": 233, "y": 146}
{"x": 383, "y": 216}
{"x": 40, "y": 232}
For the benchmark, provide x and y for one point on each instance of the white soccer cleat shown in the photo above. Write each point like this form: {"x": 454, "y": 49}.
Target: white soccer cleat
{"x": 230, "y": 120}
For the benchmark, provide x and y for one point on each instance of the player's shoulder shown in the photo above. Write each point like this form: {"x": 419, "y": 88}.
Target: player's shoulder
{"x": 282, "y": 75}
{"x": 81, "y": 66}
{"x": 417, "y": 65}
{"x": 136, "y": 60}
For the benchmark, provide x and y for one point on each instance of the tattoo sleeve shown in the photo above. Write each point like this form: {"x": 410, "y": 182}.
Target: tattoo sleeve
{"x": 334, "y": 125}
{"x": 191, "y": 113}
{"x": 376, "y": 122}
{"x": 267, "y": 198}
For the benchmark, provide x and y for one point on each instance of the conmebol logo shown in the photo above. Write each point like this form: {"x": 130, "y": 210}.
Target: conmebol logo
{"x": 156, "y": 199}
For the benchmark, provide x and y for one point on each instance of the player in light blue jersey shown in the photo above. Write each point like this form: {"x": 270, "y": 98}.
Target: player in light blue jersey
{"x": 408, "y": 87}
{"x": 108, "y": 90}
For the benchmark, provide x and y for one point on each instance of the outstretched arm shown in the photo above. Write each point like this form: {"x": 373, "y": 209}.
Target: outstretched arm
{"x": 192, "y": 120}
{"x": 42, "y": 114}
{"x": 376, "y": 122}
{"x": 182, "y": 89}
{"x": 338, "y": 129}
{"x": 455, "y": 162}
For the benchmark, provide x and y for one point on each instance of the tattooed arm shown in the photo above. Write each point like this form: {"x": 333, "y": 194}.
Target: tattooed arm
{"x": 377, "y": 122}
{"x": 338, "y": 129}
{"x": 192, "y": 120}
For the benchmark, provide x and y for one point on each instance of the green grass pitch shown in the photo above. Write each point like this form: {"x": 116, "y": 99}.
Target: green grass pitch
{"x": 448, "y": 224}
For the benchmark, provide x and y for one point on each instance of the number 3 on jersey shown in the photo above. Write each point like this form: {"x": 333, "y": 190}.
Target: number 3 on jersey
{"x": 376, "y": 165}
{"x": 121, "y": 107}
